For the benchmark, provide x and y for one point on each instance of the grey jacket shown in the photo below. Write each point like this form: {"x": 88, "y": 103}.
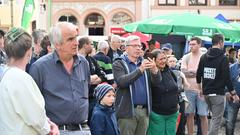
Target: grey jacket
{"x": 124, "y": 79}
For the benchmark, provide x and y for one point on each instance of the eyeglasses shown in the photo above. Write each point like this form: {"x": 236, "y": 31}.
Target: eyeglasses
{"x": 14, "y": 34}
{"x": 135, "y": 46}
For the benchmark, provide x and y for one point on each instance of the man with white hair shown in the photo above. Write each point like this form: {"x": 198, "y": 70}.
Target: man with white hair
{"x": 63, "y": 78}
{"x": 104, "y": 61}
{"x": 114, "y": 51}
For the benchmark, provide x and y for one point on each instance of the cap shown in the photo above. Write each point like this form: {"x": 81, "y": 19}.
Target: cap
{"x": 101, "y": 90}
{"x": 167, "y": 46}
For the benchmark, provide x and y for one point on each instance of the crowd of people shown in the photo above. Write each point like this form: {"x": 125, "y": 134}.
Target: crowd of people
{"x": 125, "y": 88}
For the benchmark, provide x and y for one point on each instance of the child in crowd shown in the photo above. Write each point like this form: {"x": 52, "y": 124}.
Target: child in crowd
{"x": 103, "y": 121}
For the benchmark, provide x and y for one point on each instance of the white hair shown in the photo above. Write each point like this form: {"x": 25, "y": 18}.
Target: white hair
{"x": 55, "y": 34}
{"x": 131, "y": 38}
{"x": 115, "y": 38}
{"x": 102, "y": 45}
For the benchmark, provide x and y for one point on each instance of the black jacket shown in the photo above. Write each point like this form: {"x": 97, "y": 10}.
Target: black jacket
{"x": 165, "y": 93}
{"x": 94, "y": 69}
{"x": 124, "y": 79}
{"x": 213, "y": 72}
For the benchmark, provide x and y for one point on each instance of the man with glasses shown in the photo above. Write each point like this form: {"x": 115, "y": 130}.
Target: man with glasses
{"x": 197, "y": 103}
{"x": 133, "y": 94}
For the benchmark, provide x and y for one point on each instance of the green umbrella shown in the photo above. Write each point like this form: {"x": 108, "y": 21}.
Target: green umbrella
{"x": 188, "y": 24}
{"x": 235, "y": 24}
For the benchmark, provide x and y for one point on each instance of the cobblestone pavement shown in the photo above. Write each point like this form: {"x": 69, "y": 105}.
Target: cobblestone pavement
{"x": 222, "y": 129}
{"x": 237, "y": 128}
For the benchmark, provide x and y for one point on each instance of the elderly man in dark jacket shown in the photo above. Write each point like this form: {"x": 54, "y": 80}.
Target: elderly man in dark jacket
{"x": 133, "y": 100}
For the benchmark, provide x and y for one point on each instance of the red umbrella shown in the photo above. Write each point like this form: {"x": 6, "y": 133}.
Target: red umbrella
{"x": 143, "y": 38}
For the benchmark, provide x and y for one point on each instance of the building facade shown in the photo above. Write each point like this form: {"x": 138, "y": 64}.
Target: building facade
{"x": 230, "y": 9}
{"x": 98, "y": 17}
{"x": 104, "y": 17}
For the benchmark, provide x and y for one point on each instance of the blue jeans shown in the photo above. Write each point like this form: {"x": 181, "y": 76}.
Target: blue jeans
{"x": 232, "y": 112}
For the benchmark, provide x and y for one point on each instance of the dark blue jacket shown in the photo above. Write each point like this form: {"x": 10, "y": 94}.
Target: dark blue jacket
{"x": 104, "y": 121}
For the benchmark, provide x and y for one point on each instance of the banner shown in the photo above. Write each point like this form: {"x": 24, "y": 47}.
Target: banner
{"x": 27, "y": 14}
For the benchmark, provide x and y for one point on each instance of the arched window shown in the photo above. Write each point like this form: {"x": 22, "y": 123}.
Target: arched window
{"x": 121, "y": 18}
{"x": 94, "y": 19}
{"x": 68, "y": 18}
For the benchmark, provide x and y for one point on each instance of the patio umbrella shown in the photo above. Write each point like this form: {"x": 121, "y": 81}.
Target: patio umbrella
{"x": 143, "y": 38}
{"x": 235, "y": 24}
{"x": 188, "y": 24}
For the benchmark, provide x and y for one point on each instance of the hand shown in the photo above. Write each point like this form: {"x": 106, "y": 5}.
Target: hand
{"x": 228, "y": 96}
{"x": 54, "y": 129}
{"x": 235, "y": 98}
{"x": 95, "y": 79}
{"x": 153, "y": 68}
{"x": 200, "y": 94}
{"x": 146, "y": 64}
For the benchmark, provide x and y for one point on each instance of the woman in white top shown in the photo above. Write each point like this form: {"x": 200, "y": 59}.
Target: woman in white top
{"x": 22, "y": 106}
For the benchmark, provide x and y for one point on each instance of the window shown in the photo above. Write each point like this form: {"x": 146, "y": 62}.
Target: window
{"x": 94, "y": 19}
{"x": 167, "y": 2}
{"x": 95, "y": 23}
{"x": 68, "y": 18}
{"x": 228, "y": 2}
{"x": 121, "y": 18}
{"x": 197, "y": 2}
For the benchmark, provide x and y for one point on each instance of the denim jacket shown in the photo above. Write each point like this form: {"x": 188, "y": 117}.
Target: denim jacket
{"x": 235, "y": 76}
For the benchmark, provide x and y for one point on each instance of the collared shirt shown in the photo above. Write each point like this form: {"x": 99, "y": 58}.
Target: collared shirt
{"x": 139, "y": 86}
{"x": 66, "y": 95}
{"x": 3, "y": 57}
{"x": 22, "y": 105}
